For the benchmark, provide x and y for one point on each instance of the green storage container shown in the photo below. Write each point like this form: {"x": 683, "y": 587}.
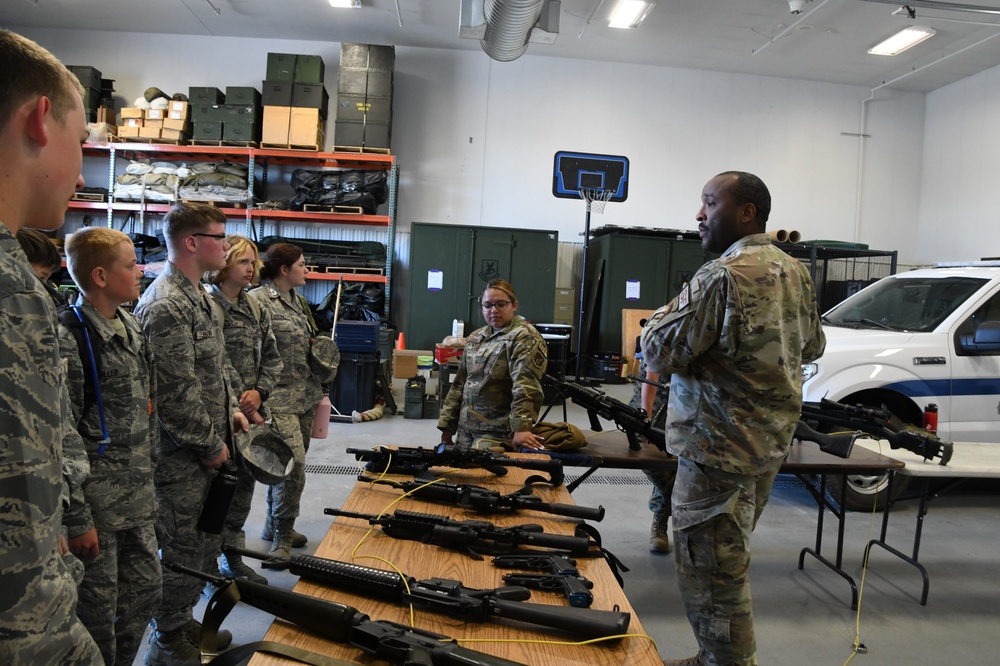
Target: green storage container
{"x": 309, "y": 69}
{"x": 281, "y": 66}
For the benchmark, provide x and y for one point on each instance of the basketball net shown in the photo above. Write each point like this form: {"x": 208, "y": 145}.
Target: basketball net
{"x": 596, "y": 199}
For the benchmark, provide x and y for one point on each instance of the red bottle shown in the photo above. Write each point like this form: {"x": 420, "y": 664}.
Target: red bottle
{"x": 931, "y": 418}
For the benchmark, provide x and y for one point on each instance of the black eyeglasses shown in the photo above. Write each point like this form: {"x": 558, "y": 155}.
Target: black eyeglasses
{"x": 216, "y": 236}
{"x": 499, "y": 305}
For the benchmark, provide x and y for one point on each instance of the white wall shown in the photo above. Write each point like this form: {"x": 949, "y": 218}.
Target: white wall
{"x": 475, "y": 138}
{"x": 959, "y": 218}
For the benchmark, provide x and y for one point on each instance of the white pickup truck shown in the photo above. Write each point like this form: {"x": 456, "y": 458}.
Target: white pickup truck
{"x": 929, "y": 336}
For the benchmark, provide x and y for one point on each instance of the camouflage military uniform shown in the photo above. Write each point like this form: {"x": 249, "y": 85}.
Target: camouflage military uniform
{"x": 38, "y": 623}
{"x": 195, "y": 403}
{"x": 293, "y": 402}
{"x": 255, "y": 357}
{"x": 733, "y": 340}
{"x": 663, "y": 479}
{"x": 122, "y": 586}
{"x": 497, "y": 390}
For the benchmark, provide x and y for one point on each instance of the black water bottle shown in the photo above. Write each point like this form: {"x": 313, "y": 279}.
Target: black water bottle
{"x": 220, "y": 498}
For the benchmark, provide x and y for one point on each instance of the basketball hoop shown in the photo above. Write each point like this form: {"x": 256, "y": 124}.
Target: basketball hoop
{"x": 596, "y": 199}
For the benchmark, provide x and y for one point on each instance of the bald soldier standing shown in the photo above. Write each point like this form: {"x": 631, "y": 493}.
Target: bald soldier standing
{"x": 734, "y": 341}
{"x": 42, "y": 129}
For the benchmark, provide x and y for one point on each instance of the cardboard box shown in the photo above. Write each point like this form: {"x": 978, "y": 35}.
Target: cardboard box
{"x": 177, "y": 109}
{"x": 179, "y": 125}
{"x": 149, "y": 132}
{"x": 281, "y": 66}
{"x": 156, "y": 114}
{"x": 309, "y": 69}
{"x": 404, "y": 362}
{"x": 132, "y": 122}
{"x": 128, "y": 132}
{"x": 276, "y": 93}
{"x": 174, "y": 134}
{"x": 306, "y": 127}
{"x": 151, "y": 123}
{"x": 106, "y": 115}
{"x": 132, "y": 112}
{"x": 277, "y": 123}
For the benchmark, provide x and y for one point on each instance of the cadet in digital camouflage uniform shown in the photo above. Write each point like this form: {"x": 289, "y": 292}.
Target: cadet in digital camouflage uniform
{"x": 197, "y": 408}
{"x": 497, "y": 390}
{"x": 733, "y": 340}
{"x": 650, "y": 399}
{"x": 42, "y": 127}
{"x": 293, "y": 402}
{"x": 254, "y": 354}
{"x": 122, "y": 585}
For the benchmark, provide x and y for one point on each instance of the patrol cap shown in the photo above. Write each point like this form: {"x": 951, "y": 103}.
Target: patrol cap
{"x": 324, "y": 358}
{"x": 268, "y": 457}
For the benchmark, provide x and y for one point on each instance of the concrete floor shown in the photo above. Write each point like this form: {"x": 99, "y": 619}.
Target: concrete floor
{"x": 802, "y": 616}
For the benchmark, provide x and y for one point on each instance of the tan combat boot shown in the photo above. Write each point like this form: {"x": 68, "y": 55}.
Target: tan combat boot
{"x": 659, "y": 535}
{"x": 172, "y": 648}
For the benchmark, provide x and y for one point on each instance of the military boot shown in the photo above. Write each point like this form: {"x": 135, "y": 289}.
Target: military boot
{"x": 659, "y": 535}
{"x": 267, "y": 534}
{"x": 281, "y": 550}
{"x": 172, "y": 648}
{"x": 223, "y": 638}
{"x": 233, "y": 566}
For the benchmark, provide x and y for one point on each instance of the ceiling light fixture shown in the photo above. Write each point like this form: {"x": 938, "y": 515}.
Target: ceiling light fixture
{"x": 631, "y": 13}
{"x": 345, "y": 4}
{"x": 901, "y": 41}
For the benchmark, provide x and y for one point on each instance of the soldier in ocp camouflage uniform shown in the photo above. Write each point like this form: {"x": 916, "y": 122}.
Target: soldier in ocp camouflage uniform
{"x": 255, "y": 357}
{"x": 497, "y": 390}
{"x": 42, "y": 126}
{"x": 734, "y": 340}
{"x": 122, "y": 585}
{"x": 293, "y": 402}
{"x": 197, "y": 409}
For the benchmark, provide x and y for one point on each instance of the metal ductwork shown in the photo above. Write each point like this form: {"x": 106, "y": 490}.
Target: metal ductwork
{"x": 508, "y": 27}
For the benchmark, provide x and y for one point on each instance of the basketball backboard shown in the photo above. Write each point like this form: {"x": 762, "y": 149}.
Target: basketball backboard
{"x": 574, "y": 172}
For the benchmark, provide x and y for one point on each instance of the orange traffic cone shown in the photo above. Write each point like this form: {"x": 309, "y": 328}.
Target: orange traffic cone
{"x": 400, "y": 343}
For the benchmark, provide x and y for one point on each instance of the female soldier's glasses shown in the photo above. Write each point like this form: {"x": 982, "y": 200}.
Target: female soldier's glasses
{"x": 499, "y": 305}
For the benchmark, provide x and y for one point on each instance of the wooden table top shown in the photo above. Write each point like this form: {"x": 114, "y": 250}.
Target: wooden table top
{"x": 356, "y": 541}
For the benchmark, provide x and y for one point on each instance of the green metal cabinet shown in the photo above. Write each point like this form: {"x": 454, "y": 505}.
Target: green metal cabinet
{"x": 450, "y": 265}
{"x": 639, "y": 269}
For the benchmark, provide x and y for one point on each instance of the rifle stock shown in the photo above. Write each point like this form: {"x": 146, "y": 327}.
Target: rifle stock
{"x": 411, "y": 460}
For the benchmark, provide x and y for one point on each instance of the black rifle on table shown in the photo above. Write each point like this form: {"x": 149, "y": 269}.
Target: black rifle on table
{"x": 450, "y": 597}
{"x": 410, "y": 460}
{"x": 562, "y": 576}
{"x": 390, "y": 641}
{"x": 880, "y": 423}
{"x": 468, "y": 536}
{"x": 486, "y": 500}
{"x": 634, "y": 422}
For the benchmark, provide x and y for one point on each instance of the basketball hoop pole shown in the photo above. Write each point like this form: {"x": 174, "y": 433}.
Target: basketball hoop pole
{"x": 583, "y": 294}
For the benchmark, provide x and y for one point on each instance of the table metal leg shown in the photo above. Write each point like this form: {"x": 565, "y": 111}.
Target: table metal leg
{"x": 583, "y": 477}
{"x": 918, "y": 532}
{"x": 823, "y": 503}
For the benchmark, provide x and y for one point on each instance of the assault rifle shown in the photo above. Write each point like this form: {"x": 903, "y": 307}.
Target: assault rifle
{"x": 630, "y": 420}
{"x": 486, "y": 500}
{"x": 562, "y": 576}
{"x": 880, "y": 423}
{"x": 410, "y": 460}
{"x": 389, "y": 641}
{"x": 450, "y": 597}
{"x": 466, "y": 535}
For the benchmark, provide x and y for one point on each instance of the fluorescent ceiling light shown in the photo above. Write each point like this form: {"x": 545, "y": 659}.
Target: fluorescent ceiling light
{"x": 630, "y": 13}
{"x": 345, "y": 4}
{"x": 901, "y": 41}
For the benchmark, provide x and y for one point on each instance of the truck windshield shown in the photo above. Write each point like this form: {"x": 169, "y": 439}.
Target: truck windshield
{"x": 904, "y": 304}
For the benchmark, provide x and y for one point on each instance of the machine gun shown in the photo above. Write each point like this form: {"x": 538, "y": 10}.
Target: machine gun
{"x": 486, "y": 500}
{"x": 880, "y": 423}
{"x": 466, "y": 535}
{"x": 389, "y": 641}
{"x": 410, "y": 460}
{"x": 630, "y": 420}
{"x": 562, "y": 576}
{"x": 450, "y": 597}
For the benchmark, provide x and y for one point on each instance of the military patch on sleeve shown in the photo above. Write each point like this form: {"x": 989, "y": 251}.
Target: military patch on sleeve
{"x": 684, "y": 298}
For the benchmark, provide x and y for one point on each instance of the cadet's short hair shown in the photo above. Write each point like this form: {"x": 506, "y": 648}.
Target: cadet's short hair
{"x": 278, "y": 255}
{"x": 29, "y": 71}
{"x": 238, "y": 246}
{"x": 751, "y": 189}
{"x": 184, "y": 219}
{"x": 90, "y": 248}
{"x": 502, "y": 285}
{"x": 39, "y": 248}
